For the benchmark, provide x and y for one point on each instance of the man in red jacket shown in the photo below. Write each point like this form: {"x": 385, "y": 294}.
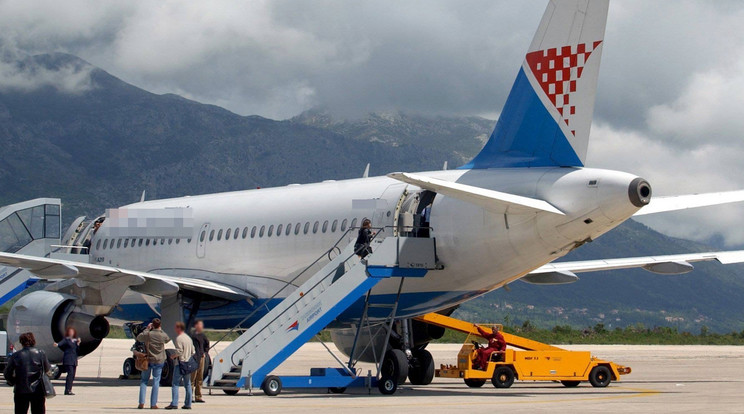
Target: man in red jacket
{"x": 496, "y": 343}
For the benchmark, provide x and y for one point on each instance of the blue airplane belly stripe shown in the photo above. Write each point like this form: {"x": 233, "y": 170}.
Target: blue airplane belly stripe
{"x": 526, "y": 135}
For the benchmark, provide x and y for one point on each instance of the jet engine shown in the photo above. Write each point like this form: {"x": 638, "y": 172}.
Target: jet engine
{"x": 47, "y": 315}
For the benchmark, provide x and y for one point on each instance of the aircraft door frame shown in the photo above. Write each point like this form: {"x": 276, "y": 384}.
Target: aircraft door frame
{"x": 201, "y": 243}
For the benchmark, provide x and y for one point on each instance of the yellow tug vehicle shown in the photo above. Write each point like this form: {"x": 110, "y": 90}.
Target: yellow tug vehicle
{"x": 532, "y": 361}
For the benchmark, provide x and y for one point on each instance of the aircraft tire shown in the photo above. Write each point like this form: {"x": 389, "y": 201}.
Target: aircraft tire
{"x": 395, "y": 366}
{"x": 421, "y": 369}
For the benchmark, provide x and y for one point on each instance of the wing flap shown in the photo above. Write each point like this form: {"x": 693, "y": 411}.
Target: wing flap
{"x": 149, "y": 282}
{"x": 495, "y": 201}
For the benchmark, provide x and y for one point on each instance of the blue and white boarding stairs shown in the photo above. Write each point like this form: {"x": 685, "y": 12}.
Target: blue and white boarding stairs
{"x": 249, "y": 360}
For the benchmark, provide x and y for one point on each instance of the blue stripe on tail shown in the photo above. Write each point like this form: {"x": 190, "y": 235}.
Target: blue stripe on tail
{"x": 526, "y": 135}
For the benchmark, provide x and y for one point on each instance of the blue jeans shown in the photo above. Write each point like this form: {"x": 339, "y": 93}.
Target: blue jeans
{"x": 157, "y": 371}
{"x": 177, "y": 377}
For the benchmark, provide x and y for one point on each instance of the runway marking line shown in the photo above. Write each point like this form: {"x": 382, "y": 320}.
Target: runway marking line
{"x": 639, "y": 392}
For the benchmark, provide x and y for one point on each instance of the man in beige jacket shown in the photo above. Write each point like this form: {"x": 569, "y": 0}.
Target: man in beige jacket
{"x": 154, "y": 339}
{"x": 184, "y": 352}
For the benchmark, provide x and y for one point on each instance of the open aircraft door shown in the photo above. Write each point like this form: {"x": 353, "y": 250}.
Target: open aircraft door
{"x": 388, "y": 207}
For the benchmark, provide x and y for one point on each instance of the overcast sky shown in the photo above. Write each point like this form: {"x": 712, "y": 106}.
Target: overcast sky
{"x": 671, "y": 91}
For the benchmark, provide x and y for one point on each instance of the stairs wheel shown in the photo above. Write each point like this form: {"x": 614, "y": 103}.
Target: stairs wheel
{"x": 231, "y": 391}
{"x": 395, "y": 366}
{"x": 128, "y": 367}
{"x": 272, "y": 386}
{"x": 337, "y": 390}
{"x": 387, "y": 385}
{"x": 421, "y": 370}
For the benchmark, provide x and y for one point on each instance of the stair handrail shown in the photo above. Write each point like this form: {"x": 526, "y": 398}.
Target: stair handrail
{"x": 332, "y": 272}
{"x": 291, "y": 282}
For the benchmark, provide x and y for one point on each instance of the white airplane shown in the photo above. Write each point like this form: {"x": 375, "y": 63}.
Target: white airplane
{"x": 524, "y": 201}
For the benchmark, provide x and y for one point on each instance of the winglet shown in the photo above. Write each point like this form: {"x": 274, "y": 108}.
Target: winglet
{"x": 366, "y": 172}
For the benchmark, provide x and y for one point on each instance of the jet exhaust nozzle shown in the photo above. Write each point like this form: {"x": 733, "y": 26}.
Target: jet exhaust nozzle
{"x": 639, "y": 192}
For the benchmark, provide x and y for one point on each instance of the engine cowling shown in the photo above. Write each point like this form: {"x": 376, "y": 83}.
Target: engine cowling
{"x": 47, "y": 315}
{"x": 421, "y": 334}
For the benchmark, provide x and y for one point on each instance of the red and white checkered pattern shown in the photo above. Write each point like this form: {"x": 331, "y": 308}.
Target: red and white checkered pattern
{"x": 557, "y": 71}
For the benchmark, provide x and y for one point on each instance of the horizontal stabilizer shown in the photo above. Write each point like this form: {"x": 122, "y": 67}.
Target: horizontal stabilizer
{"x": 684, "y": 202}
{"x": 670, "y": 264}
{"x": 491, "y": 200}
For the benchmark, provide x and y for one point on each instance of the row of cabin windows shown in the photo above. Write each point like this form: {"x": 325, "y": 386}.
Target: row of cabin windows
{"x": 127, "y": 242}
{"x": 279, "y": 230}
{"x": 235, "y": 233}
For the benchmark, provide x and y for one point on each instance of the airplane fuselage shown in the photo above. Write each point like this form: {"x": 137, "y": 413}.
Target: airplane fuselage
{"x": 258, "y": 240}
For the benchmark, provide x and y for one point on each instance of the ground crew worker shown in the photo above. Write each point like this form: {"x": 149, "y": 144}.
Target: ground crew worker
{"x": 496, "y": 343}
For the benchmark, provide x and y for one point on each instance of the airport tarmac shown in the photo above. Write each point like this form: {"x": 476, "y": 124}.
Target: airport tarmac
{"x": 664, "y": 379}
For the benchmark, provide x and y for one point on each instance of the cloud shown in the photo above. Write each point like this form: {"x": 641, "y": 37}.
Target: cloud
{"x": 26, "y": 74}
{"x": 670, "y": 88}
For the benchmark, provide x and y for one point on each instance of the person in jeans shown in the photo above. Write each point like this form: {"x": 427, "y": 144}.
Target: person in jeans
{"x": 201, "y": 346}
{"x": 24, "y": 371}
{"x": 69, "y": 346}
{"x": 184, "y": 351}
{"x": 155, "y": 340}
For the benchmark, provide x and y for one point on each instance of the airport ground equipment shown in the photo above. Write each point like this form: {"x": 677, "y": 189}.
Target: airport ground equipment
{"x": 248, "y": 362}
{"x": 534, "y": 361}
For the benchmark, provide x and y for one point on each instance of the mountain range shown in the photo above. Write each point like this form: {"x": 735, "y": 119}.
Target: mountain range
{"x": 96, "y": 141}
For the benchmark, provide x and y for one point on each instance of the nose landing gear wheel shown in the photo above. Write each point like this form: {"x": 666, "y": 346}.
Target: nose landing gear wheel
{"x": 600, "y": 376}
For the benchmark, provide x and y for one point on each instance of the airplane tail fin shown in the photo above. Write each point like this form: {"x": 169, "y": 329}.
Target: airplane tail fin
{"x": 548, "y": 114}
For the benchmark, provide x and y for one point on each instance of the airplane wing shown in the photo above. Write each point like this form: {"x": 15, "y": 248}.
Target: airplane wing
{"x": 684, "y": 202}
{"x": 495, "y": 201}
{"x": 144, "y": 282}
{"x": 564, "y": 272}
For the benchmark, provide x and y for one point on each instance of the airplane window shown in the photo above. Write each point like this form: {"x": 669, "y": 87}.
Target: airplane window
{"x": 118, "y": 244}
{"x": 271, "y": 230}
{"x": 140, "y": 243}
{"x": 261, "y": 232}
{"x": 211, "y": 235}
{"x": 325, "y": 226}
{"x": 235, "y": 234}
{"x": 105, "y": 243}
{"x": 334, "y": 226}
{"x": 353, "y": 223}
{"x": 297, "y": 228}
{"x": 202, "y": 235}
{"x": 253, "y": 232}
{"x": 245, "y": 232}
{"x": 188, "y": 240}
{"x": 279, "y": 230}
{"x": 219, "y": 235}
{"x": 147, "y": 242}
{"x": 228, "y": 233}
{"x": 315, "y": 227}
{"x": 170, "y": 241}
{"x": 343, "y": 225}
{"x": 126, "y": 243}
{"x": 162, "y": 241}
{"x": 178, "y": 241}
{"x": 289, "y": 229}
{"x": 307, "y": 227}
{"x": 98, "y": 245}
